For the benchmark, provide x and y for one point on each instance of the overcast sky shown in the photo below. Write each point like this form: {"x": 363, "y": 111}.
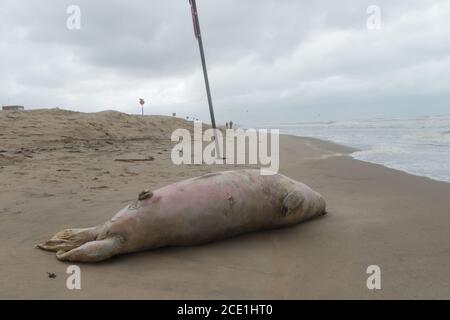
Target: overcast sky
{"x": 269, "y": 60}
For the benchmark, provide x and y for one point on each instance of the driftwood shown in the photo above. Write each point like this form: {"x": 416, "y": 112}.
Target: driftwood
{"x": 135, "y": 160}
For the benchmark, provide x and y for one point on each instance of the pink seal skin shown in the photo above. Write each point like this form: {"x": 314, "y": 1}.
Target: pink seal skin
{"x": 192, "y": 212}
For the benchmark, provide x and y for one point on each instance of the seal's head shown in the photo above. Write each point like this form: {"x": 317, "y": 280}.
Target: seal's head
{"x": 303, "y": 203}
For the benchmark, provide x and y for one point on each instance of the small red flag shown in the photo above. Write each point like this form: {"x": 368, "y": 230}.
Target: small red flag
{"x": 195, "y": 18}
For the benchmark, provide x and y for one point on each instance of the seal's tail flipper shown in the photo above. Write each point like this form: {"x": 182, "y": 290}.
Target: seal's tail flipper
{"x": 69, "y": 239}
{"x": 93, "y": 251}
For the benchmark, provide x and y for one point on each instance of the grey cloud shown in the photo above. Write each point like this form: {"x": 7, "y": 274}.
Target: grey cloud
{"x": 291, "y": 58}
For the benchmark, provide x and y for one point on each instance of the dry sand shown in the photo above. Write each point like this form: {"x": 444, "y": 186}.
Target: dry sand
{"x": 57, "y": 170}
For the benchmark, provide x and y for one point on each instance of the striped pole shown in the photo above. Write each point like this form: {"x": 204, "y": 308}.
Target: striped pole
{"x": 198, "y": 35}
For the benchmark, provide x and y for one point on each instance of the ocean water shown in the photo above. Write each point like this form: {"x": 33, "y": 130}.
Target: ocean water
{"x": 420, "y": 146}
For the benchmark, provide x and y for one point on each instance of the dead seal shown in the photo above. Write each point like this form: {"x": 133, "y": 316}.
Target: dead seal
{"x": 192, "y": 212}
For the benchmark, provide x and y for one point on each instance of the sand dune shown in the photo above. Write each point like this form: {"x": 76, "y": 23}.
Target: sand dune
{"x": 47, "y": 128}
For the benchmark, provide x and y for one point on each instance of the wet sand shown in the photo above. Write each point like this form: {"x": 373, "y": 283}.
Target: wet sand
{"x": 58, "y": 170}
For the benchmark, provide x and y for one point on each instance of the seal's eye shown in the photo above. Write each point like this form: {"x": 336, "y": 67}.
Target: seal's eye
{"x": 145, "y": 194}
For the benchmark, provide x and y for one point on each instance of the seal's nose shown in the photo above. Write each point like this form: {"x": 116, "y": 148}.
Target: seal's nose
{"x": 321, "y": 206}
{"x": 324, "y": 205}
{"x": 317, "y": 206}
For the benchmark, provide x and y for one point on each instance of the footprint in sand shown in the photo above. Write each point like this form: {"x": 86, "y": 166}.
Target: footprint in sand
{"x": 20, "y": 173}
{"x": 8, "y": 211}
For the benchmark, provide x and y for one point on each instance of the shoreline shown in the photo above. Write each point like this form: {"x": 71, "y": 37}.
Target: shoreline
{"x": 353, "y": 149}
{"x": 377, "y": 216}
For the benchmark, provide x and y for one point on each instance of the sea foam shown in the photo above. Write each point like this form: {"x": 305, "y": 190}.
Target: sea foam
{"x": 419, "y": 146}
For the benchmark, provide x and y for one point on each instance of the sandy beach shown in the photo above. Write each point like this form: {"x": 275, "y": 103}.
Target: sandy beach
{"x": 61, "y": 169}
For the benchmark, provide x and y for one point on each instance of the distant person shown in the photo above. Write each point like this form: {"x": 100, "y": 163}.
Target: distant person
{"x": 231, "y": 124}
{"x": 226, "y": 125}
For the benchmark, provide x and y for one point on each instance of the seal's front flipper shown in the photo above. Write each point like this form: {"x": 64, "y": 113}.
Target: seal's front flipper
{"x": 292, "y": 203}
{"x": 93, "y": 251}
